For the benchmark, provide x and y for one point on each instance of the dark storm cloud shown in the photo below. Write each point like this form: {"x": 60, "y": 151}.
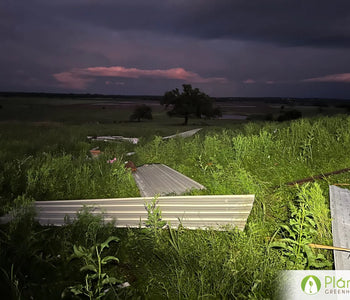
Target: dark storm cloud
{"x": 291, "y": 23}
{"x": 288, "y": 22}
{"x": 225, "y": 47}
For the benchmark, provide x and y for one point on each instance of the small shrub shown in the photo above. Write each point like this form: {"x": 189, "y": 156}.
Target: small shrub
{"x": 141, "y": 112}
{"x": 290, "y": 115}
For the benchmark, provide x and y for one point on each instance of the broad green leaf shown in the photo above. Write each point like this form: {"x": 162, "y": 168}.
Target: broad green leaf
{"x": 77, "y": 289}
{"x": 285, "y": 227}
{"x": 93, "y": 276}
{"x": 278, "y": 245}
{"x": 287, "y": 240}
{"x": 88, "y": 268}
{"x": 106, "y": 259}
{"x": 79, "y": 251}
{"x": 110, "y": 239}
{"x": 109, "y": 280}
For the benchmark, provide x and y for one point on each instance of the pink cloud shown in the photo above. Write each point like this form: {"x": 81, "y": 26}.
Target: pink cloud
{"x": 270, "y": 82}
{"x": 249, "y": 81}
{"x": 80, "y": 78}
{"x": 72, "y": 80}
{"x": 343, "y": 77}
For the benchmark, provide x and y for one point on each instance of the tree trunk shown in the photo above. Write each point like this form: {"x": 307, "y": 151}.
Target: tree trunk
{"x": 186, "y": 120}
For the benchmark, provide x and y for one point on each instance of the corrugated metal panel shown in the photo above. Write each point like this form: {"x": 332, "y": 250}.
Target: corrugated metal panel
{"x": 183, "y": 134}
{"x": 159, "y": 179}
{"x": 340, "y": 212}
{"x": 192, "y": 211}
{"x": 112, "y": 138}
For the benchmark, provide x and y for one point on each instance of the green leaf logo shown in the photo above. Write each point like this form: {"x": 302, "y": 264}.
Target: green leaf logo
{"x": 311, "y": 285}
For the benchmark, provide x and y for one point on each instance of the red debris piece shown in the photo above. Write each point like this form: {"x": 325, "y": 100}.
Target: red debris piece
{"x": 130, "y": 165}
{"x": 95, "y": 153}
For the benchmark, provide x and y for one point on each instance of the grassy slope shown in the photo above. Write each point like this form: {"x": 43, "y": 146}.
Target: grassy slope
{"x": 49, "y": 161}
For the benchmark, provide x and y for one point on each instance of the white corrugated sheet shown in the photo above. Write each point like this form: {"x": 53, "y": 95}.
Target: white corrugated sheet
{"x": 191, "y": 211}
{"x": 183, "y": 134}
{"x": 159, "y": 179}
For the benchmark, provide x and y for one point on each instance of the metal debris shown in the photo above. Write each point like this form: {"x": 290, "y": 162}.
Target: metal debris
{"x": 319, "y": 176}
{"x": 159, "y": 179}
{"x": 183, "y": 134}
{"x": 193, "y": 212}
{"x": 340, "y": 212}
{"x": 112, "y": 138}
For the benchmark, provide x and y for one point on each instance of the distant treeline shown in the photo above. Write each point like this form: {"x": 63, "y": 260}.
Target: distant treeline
{"x": 323, "y": 102}
{"x": 77, "y": 96}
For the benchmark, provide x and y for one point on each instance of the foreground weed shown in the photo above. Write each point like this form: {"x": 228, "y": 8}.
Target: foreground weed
{"x": 313, "y": 196}
{"x": 13, "y": 282}
{"x": 299, "y": 233}
{"x": 97, "y": 282}
{"x": 88, "y": 229}
{"x": 306, "y": 153}
{"x": 25, "y": 264}
{"x": 154, "y": 219}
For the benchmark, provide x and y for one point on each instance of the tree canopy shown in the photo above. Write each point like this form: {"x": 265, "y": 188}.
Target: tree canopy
{"x": 189, "y": 103}
{"x": 141, "y": 112}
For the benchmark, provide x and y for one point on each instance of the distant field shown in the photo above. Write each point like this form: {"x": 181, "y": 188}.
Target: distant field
{"x": 97, "y": 114}
{"x": 105, "y": 110}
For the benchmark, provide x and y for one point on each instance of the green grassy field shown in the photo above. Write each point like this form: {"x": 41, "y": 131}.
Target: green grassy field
{"x": 45, "y": 156}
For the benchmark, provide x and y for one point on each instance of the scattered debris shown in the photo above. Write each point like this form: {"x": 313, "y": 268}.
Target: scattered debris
{"x": 130, "y": 153}
{"x": 130, "y": 165}
{"x": 183, "y": 134}
{"x": 159, "y": 179}
{"x": 219, "y": 212}
{"x": 111, "y": 161}
{"x": 112, "y": 138}
{"x": 123, "y": 285}
{"x": 320, "y": 176}
{"x": 340, "y": 211}
{"x": 317, "y": 246}
{"x": 95, "y": 152}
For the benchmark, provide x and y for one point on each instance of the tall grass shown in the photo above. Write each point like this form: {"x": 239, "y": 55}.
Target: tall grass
{"x": 209, "y": 264}
{"x": 312, "y": 195}
{"x": 47, "y": 163}
{"x": 65, "y": 177}
{"x": 274, "y": 154}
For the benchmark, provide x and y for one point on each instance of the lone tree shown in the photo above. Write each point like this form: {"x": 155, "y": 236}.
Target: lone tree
{"x": 141, "y": 112}
{"x": 191, "y": 102}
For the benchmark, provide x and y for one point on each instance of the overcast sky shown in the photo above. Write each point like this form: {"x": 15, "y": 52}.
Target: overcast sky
{"x": 285, "y": 48}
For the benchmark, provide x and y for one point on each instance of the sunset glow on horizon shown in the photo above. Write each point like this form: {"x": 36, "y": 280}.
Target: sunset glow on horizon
{"x": 80, "y": 78}
{"x": 228, "y": 48}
